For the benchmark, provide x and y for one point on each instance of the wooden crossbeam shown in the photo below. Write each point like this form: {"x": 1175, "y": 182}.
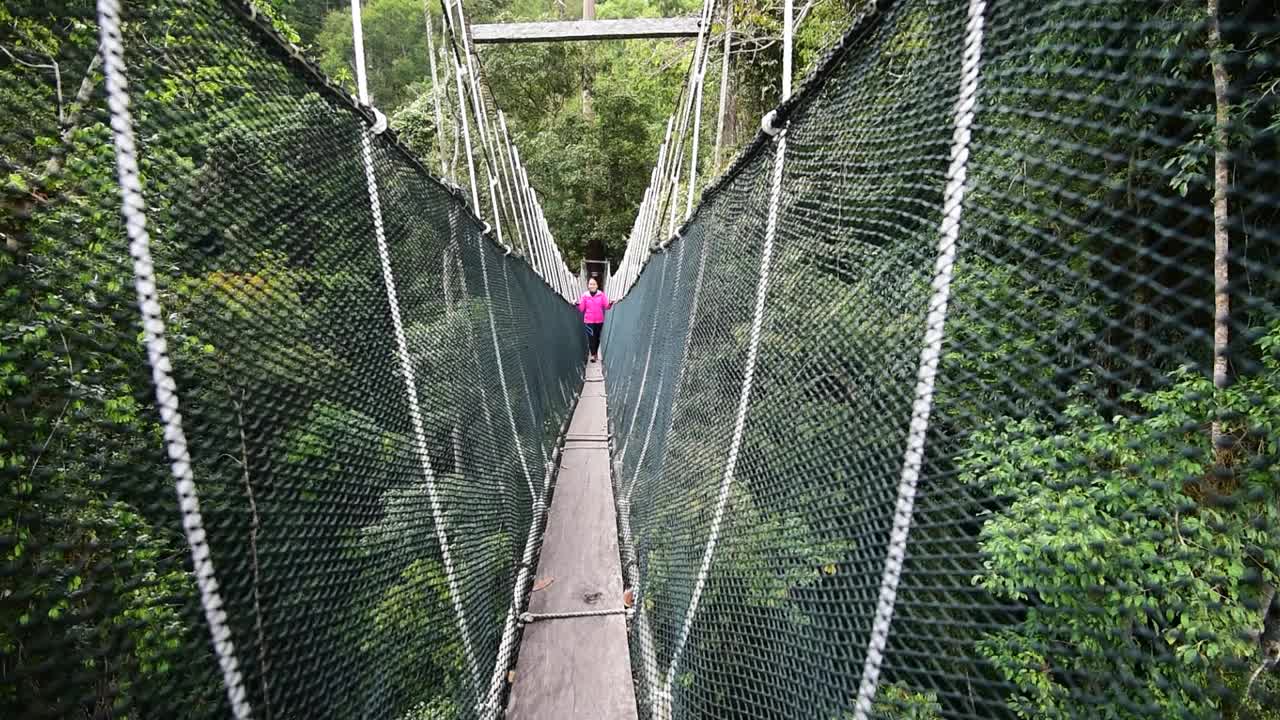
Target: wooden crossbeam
{"x": 585, "y": 30}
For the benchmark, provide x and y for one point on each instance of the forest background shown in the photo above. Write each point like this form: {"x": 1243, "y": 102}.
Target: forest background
{"x": 588, "y": 117}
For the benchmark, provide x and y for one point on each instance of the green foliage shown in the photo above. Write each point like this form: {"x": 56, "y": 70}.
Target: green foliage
{"x": 1188, "y": 546}
{"x": 895, "y": 701}
{"x": 395, "y": 47}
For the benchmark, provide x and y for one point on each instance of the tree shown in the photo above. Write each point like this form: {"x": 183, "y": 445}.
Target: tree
{"x": 395, "y": 49}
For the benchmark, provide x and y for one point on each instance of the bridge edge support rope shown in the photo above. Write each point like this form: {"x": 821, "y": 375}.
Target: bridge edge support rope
{"x": 662, "y": 702}
{"x": 405, "y": 361}
{"x": 519, "y": 598}
{"x": 935, "y": 323}
{"x": 134, "y": 211}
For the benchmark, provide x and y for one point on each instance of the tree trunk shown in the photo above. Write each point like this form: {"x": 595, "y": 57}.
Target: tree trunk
{"x": 1221, "y": 240}
{"x": 724, "y": 87}
{"x": 588, "y": 13}
{"x": 72, "y": 121}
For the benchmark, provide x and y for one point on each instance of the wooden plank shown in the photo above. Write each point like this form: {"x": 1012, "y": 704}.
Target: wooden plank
{"x": 579, "y": 667}
{"x": 585, "y": 30}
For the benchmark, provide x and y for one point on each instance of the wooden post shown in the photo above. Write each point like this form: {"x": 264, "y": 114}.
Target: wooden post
{"x": 573, "y": 30}
{"x": 588, "y": 14}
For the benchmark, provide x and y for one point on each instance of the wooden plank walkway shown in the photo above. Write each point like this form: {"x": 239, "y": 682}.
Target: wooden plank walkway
{"x": 578, "y": 667}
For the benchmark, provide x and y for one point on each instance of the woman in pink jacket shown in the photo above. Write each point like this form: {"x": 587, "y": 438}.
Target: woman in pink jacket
{"x": 593, "y": 305}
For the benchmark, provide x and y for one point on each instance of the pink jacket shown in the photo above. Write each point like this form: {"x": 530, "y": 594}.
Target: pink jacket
{"x": 592, "y": 307}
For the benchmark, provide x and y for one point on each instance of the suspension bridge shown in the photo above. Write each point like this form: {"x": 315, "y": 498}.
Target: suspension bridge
{"x": 952, "y": 396}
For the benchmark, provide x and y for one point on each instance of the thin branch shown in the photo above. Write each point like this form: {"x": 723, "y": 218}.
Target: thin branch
{"x": 800, "y": 16}
{"x": 87, "y": 83}
{"x": 255, "y": 525}
{"x": 53, "y": 65}
{"x": 71, "y": 373}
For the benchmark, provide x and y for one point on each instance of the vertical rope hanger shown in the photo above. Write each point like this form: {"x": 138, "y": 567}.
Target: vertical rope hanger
{"x": 402, "y": 352}
{"x": 663, "y": 702}
{"x": 466, "y": 136}
{"x": 521, "y": 203}
{"x": 724, "y": 83}
{"x": 930, "y": 353}
{"x": 134, "y": 211}
{"x": 488, "y": 701}
{"x": 435, "y": 90}
{"x": 648, "y": 660}
{"x": 662, "y": 196}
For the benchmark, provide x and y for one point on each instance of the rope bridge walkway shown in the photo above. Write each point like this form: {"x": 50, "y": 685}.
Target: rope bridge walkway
{"x": 955, "y": 396}
{"x": 573, "y": 656}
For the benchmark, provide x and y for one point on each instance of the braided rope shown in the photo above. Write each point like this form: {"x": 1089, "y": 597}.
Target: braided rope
{"x": 735, "y": 446}
{"x": 935, "y": 322}
{"x": 134, "y": 210}
{"x": 420, "y": 446}
{"x": 529, "y": 617}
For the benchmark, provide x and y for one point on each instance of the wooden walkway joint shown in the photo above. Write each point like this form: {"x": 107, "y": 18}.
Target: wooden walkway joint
{"x": 574, "y": 661}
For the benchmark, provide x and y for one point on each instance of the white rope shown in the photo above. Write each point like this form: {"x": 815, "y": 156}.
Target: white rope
{"x": 497, "y": 216}
{"x": 480, "y": 113}
{"x": 466, "y": 136}
{"x": 684, "y": 356}
{"x": 935, "y": 322}
{"x": 788, "y": 31}
{"x": 740, "y": 423}
{"x": 435, "y": 88}
{"x": 644, "y": 374}
{"x": 134, "y": 211}
{"x": 491, "y": 708}
{"x": 529, "y": 617}
{"x": 502, "y": 373}
{"x": 648, "y": 659}
{"x": 693, "y": 151}
{"x": 455, "y": 238}
{"x": 693, "y": 86}
{"x": 522, "y": 181}
{"x": 502, "y": 661}
{"x": 528, "y": 396}
{"x": 724, "y": 83}
{"x": 503, "y": 158}
{"x": 406, "y": 362}
{"x": 700, "y": 78}
{"x": 517, "y": 191}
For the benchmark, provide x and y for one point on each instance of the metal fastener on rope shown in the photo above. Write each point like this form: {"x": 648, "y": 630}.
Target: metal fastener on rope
{"x": 486, "y": 229}
{"x": 766, "y": 123}
{"x": 379, "y": 121}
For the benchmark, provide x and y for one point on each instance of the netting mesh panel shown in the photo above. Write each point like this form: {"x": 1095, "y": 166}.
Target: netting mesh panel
{"x": 329, "y": 541}
{"x": 1079, "y": 547}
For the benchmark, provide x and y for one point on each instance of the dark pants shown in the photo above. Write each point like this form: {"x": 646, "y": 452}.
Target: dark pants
{"x": 594, "y": 331}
